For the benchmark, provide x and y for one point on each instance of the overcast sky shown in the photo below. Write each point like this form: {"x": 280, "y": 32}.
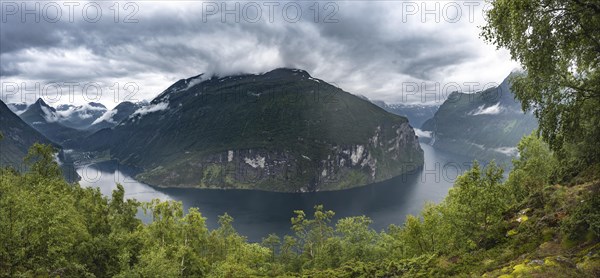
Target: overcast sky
{"x": 381, "y": 50}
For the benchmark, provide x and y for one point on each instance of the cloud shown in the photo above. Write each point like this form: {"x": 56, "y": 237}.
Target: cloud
{"x": 195, "y": 81}
{"x": 49, "y": 116}
{"x": 107, "y": 116}
{"x": 509, "y": 151}
{"x": 374, "y": 49}
{"x": 422, "y": 133}
{"x": 150, "y": 108}
{"x": 84, "y": 111}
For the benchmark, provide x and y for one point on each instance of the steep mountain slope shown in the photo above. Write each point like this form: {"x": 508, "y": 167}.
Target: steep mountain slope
{"x": 46, "y": 120}
{"x": 114, "y": 116}
{"x": 485, "y": 125}
{"x": 18, "y": 137}
{"x": 278, "y": 131}
{"x": 81, "y": 116}
{"x": 416, "y": 114}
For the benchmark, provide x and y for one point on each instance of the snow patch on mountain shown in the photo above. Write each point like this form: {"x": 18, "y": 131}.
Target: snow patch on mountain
{"x": 490, "y": 110}
{"x": 314, "y": 79}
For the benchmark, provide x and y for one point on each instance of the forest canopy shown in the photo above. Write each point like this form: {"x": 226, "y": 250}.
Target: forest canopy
{"x": 52, "y": 228}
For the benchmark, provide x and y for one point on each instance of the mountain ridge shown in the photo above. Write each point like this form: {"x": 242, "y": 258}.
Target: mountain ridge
{"x": 18, "y": 136}
{"x": 281, "y": 127}
{"x": 44, "y": 118}
{"x": 485, "y": 125}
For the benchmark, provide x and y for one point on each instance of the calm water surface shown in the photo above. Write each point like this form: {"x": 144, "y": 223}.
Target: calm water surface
{"x": 258, "y": 213}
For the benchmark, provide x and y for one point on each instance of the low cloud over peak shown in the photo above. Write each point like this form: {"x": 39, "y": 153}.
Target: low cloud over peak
{"x": 372, "y": 49}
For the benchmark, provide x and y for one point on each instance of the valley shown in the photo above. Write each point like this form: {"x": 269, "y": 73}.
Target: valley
{"x": 282, "y": 131}
{"x": 486, "y": 125}
{"x": 260, "y": 132}
{"x": 340, "y": 139}
{"x": 259, "y": 213}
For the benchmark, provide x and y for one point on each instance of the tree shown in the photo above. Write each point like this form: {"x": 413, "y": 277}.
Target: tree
{"x": 288, "y": 254}
{"x": 41, "y": 228}
{"x": 558, "y": 44}
{"x": 313, "y": 233}
{"x": 474, "y": 206}
{"x": 40, "y": 159}
{"x": 357, "y": 239}
{"x": 272, "y": 242}
{"x": 532, "y": 170}
{"x": 412, "y": 235}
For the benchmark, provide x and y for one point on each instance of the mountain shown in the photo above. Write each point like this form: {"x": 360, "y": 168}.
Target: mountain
{"x": 46, "y": 120}
{"x": 416, "y": 114}
{"x": 18, "y": 136}
{"x": 81, "y": 116}
{"x": 484, "y": 125}
{"x": 17, "y": 108}
{"x": 112, "y": 117}
{"x": 278, "y": 131}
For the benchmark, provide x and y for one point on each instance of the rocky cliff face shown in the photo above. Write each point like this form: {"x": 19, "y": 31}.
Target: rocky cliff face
{"x": 278, "y": 131}
{"x": 389, "y": 152}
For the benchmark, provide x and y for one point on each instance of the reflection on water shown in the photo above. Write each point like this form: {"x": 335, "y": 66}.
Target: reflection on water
{"x": 106, "y": 175}
{"x": 259, "y": 213}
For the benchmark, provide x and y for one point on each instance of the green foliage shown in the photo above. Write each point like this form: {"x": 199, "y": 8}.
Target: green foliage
{"x": 313, "y": 233}
{"x": 533, "y": 169}
{"x": 584, "y": 219}
{"x": 52, "y": 228}
{"x": 557, "y": 43}
{"x": 357, "y": 239}
{"x": 40, "y": 159}
{"x": 475, "y": 206}
{"x": 421, "y": 236}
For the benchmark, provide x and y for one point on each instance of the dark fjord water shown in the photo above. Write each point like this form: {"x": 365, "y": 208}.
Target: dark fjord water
{"x": 258, "y": 213}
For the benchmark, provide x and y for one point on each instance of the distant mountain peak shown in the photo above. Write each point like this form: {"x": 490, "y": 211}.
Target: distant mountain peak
{"x": 41, "y": 108}
{"x": 40, "y": 102}
{"x": 186, "y": 84}
{"x": 124, "y": 103}
{"x": 96, "y": 104}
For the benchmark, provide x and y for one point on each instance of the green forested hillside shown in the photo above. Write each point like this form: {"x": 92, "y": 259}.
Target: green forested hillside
{"x": 113, "y": 117}
{"x": 486, "y": 125}
{"x": 278, "y": 131}
{"x": 18, "y": 137}
{"x": 542, "y": 221}
{"x": 526, "y": 226}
